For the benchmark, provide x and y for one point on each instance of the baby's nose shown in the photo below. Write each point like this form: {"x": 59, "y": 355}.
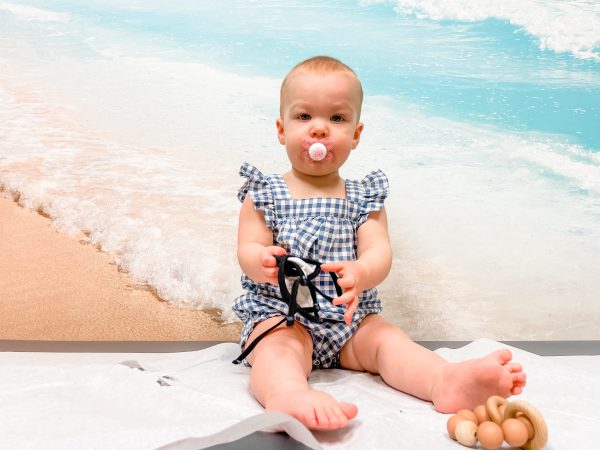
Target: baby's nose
{"x": 319, "y": 130}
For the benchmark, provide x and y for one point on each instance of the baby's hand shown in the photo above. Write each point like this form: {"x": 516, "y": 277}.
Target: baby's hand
{"x": 269, "y": 263}
{"x": 350, "y": 274}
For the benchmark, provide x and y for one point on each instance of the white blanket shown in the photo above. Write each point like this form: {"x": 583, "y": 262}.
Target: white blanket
{"x": 68, "y": 401}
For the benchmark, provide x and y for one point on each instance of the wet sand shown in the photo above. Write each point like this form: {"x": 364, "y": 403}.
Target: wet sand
{"x": 57, "y": 287}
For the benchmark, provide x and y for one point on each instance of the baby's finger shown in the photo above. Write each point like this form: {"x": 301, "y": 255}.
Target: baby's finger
{"x": 268, "y": 260}
{"x": 267, "y": 256}
{"x": 279, "y": 251}
{"x": 346, "y": 282}
{"x": 271, "y": 272}
{"x": 346, "y": 297}
{"x": 332, "y": 267}
{"x": 350, "y": 310}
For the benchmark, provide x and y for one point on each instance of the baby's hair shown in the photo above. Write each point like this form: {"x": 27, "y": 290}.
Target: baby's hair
{"x": 320, "y": 65}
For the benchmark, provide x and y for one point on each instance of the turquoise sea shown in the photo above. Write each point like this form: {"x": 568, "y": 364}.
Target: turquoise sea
{"x": 128, "y": 121}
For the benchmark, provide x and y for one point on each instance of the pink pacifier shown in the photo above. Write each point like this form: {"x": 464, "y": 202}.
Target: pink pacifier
{"x": 317, "y": 151}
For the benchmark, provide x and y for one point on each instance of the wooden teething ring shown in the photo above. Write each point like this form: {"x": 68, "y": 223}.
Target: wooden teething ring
{"x": 540, "y": 436}
{"x": 491, "y": 407}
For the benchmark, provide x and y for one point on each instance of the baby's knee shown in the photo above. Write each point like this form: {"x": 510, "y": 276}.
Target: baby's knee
{"x": 285, "y": 341}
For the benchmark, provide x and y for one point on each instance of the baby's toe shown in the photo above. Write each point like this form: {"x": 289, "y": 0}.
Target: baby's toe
{"x": 503, "y": 356}
{"x": 334, "y": 418}
{"x": 519, "y": 379}
{"x": 322, "y": 417}
{"x": 309, "y": 418}
{"x": 349, "y": 410}
{"x": 342, "y": 420}
{"x": 514, "y": 367}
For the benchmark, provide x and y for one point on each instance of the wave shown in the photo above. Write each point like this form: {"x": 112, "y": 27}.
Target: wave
{"x": 563, "y": 27}
{"x": 32, "y": 14}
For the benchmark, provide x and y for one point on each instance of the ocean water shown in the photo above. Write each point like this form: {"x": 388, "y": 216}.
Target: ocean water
{"x": 128, "y": 121}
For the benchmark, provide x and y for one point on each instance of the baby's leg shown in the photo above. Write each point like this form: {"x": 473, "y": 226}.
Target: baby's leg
{"x": 281, "y": 363}
{"x": 382, "y": 348}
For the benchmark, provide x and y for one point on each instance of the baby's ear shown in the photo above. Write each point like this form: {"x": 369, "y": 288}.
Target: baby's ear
{"x": 356, "y": 138}
{"x": 280, "y": 131}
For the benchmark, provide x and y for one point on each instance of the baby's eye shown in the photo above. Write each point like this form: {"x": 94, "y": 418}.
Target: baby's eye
{"x": 337, "y": 118}
{"x": 304, "y": 116}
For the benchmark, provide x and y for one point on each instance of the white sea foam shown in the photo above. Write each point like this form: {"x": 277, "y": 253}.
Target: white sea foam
{"x": 561, "y": 26}
{"x": 30, "y": 13}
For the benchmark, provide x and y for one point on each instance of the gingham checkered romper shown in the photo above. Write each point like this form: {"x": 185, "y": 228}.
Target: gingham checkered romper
{"x": 323, "y": 229}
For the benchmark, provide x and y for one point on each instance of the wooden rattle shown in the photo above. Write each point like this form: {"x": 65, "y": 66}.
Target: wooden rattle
{"x": 518, "y": 423}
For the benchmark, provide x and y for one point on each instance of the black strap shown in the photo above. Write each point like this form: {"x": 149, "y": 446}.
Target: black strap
{"x": 251, "y": 346}
{"x": 290, "y": 268}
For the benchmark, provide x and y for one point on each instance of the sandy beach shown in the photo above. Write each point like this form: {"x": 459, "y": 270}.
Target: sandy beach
{"x": 57, "y": 287}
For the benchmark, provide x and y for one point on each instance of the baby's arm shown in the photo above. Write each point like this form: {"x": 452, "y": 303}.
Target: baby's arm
{"x": 256, "y": 252}
{"x": 374, "y": 260}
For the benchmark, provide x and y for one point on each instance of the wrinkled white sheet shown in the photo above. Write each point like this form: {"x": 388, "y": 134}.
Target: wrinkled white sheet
{"x": 57, "y": 400}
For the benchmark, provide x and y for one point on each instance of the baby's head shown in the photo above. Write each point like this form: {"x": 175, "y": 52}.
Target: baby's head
{"x": 321, "y": 65}
{"x": 320, "y": 101}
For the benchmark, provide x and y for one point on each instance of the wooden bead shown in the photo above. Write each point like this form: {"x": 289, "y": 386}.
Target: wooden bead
{"x": 490, "y": 435}
{"x": 466, "y": 433}
{"x": 468, "y": 415}
{"x": 451, "y": 425}
{"x": 515, "y": 432}
{"x": 481, "y": 414}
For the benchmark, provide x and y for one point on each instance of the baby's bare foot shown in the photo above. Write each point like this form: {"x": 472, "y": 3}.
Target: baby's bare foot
{"x": 315, "y": 409}
{"x": 471, "y": 383}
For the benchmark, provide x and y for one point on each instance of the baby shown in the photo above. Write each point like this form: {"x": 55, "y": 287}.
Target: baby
{"x": 311, "y": 212}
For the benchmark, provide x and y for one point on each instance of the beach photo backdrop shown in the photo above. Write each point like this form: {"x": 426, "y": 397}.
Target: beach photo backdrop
{"x": 127, "y": 121}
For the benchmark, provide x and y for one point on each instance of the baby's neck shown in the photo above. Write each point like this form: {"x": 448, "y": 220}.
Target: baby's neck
{"x": 301, "y": 185}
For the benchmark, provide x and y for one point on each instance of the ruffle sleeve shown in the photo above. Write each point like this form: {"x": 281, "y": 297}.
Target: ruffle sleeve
{"x": 257, "y": 185}
{"x": 375, "y": 189}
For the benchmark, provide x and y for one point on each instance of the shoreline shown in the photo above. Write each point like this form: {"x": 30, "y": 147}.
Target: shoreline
{"x": 55, "y": 286}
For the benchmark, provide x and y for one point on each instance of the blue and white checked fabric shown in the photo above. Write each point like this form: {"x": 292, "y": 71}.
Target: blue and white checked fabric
{"x": 323, "y": 229}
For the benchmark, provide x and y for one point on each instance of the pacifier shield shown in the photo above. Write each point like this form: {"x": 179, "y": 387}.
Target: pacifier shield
{"x": 317, "y": 151}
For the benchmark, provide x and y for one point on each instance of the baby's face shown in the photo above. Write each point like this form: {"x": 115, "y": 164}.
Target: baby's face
{"x": 320, "y": 108}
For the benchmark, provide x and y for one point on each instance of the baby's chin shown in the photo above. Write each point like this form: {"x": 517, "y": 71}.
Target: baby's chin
{"x": 316, "y": 168}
